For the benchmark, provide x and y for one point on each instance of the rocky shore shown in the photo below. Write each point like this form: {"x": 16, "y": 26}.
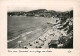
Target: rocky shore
{"x": 58, "y": 36}
{"x": 52, "y": 38}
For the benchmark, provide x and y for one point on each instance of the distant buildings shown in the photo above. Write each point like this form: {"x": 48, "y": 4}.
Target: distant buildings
{"x": 43, "y": 13}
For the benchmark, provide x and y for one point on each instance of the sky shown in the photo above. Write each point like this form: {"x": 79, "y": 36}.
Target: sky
{"x": 29, "y": 5}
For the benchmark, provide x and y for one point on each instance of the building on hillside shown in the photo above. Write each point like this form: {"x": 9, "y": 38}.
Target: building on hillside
{"x": 53, "y": 44}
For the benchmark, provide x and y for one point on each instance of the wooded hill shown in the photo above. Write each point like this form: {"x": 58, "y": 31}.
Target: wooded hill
{"x": 42, "y": 13}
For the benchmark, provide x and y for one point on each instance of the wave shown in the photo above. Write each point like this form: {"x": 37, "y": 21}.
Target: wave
{"x": 23, "y": 34}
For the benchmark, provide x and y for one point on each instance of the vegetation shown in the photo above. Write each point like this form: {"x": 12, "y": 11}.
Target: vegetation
{"x": 65, "y": 23}
{"x": 43, "y": 13}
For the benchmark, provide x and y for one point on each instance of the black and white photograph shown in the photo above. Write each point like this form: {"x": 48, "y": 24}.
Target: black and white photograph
{"x": 39, "y": 28}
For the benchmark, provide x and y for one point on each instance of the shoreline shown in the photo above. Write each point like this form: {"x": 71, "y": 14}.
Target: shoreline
{"x": 19, "y": 36}
{"x": 25, "y": 37}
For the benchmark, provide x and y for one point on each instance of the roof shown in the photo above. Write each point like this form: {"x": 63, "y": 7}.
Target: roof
{"x": 54, "y": 42}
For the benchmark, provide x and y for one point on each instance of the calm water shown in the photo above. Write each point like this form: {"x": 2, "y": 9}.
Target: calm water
{"x": 20, "y": 24}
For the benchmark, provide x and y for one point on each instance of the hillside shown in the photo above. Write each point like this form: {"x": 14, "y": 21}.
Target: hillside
{"x": 41, "y": 13}
{"x": 60, "y": 33}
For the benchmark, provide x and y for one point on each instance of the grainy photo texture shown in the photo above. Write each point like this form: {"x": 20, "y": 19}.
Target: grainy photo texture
{"x": 40, "y": 28}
